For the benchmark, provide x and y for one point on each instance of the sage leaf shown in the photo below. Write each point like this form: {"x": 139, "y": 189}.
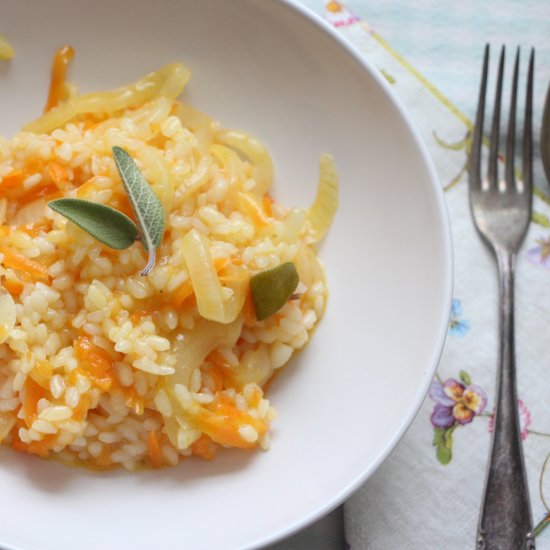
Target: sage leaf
{"x": 272, "y": 289}
{"x": 102, "y": 222}
{"x": 146, "y": 205}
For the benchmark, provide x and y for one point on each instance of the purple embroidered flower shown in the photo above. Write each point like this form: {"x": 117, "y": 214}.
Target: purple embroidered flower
{"x": 540, "y": 254}
{"x": 455, "y": 403}
{"x": 524, "y": 420}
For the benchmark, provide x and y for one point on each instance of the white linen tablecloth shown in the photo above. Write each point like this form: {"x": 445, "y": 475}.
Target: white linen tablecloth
{"x": 427, "y": 494}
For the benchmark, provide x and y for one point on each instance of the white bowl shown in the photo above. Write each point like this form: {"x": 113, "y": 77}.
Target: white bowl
{"x": 273, "y": 69}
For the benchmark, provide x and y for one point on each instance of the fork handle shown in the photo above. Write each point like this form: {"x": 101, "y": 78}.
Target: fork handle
{"x": 505, "y": 520}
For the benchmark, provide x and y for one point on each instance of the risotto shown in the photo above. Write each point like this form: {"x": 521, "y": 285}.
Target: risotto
{"x": 105, "y": 364}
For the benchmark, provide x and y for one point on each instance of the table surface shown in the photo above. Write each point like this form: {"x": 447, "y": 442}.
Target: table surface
{"x": 427, "y": 494}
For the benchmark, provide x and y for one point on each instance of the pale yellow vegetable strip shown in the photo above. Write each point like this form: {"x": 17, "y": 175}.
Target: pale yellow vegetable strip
{"x": 6, "y": 49}
{"x": 192, "y": 348}
{"x": 255, "y": 152}
{"x": 206, "y": 284}
{"x": 199, "y": 123}
{"x": 168, "y": 81}
{"x": 321, "y": 213}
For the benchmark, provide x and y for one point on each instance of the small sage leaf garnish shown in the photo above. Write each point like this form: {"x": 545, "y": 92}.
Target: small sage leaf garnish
{"x": 104, "y": 223}
{"x": 272, "y": 289}
{"x": 146, "y": 205}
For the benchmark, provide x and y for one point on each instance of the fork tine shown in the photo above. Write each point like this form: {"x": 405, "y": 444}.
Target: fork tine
{"x": 477, "y": 141}
{"x": 492, "y": 174}
{"x": 511, "y": 138}
{"x": 528, "y": 127}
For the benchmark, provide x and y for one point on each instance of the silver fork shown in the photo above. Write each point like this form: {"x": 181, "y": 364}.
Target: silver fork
{"x": 501, "y": 209}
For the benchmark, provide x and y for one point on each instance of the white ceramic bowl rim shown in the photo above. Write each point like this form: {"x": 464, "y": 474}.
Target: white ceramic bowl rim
{"x": 346, "y": 492}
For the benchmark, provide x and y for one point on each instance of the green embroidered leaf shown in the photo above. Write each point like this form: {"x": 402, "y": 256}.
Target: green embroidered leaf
{"x": 448, "y": 437}
{"x": 540, "y": 219}
{"x": 438, "y": 436}
{"x": 272, "y": 289}
{"x": 107, "y": 225}
{"x": 146, "y": 205}
{"x": 465, "y": 377}
{"x": 444, "y": 454}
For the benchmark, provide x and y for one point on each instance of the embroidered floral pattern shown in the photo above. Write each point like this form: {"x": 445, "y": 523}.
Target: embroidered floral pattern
{"x": 540, "y": 254}
{"x": 338, "y": 15}
{"x": 456, "y": 404}
{"x": 524, "y": 420}
{"x": 457, "y": 326}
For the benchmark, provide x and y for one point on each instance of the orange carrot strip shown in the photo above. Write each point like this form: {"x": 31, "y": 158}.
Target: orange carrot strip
{"x": 58, "y": 173}
{"x": 153, "y": 448}
{"x": 40, "y": 448}
{"x": 249, "y": 312}
{"x": 48, "y": 190}
{"x": 182, "y": 293}
{"x": 204, "y": 447}
{"x": 22, "y": 263}
{"x": 185, "y": 290}
{"x": 253, "y": 209}
{"x": 13, "y": 179}
{"x": 42, "y": 373}
{"x": 34, "y": 229}
{"x": 13, "y": 286}
{"x": 30, "y": 394}
{"x": 221, "y": 422}
{"x": 61, "y": 60}
{"x": 267, "y": 203}
{"x": 96, "y": 362}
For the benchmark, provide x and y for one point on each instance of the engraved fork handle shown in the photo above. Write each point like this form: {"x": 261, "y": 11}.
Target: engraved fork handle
{"x": 505, "y": 520}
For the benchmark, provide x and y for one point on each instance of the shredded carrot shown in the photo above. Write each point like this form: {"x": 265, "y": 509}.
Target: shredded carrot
{"x": 58, "y": 173}
{"x": 34, "y": 229}
{"x": 40, "y": 448}
{"x": 96, "y": 362}
{"x": 249, "y": 311}
{"x": 217, "y": 377}
{"x": 137, "y": 316}
{"x": 13, "y": 286}
{"x": 22, "y": 263}
{"x": 181, "y": 294}
{"x": 58, "y": 92}
{"x": 221, "y": 422}
{"x": 267, "y": 203}
{"x": 30, "y": 394}
{"x": 204, "y": 447}
{"x": 12, "y": 180}
{"x": 132, "y": 399}
{"x": 253, "y": 209}
{"x": 42, "y": 373}
{"x": 120, "y": 201}
{"x": 256, "y": 397}
{"x": 153, "y": 448}
{"x": 87, "y": 188}
{"x": 220, "y": 263}
{"x": 221, "y": 372}
{"x": 4, "y": 230}
{"x": 81, "y": 410}
{"x": 185, "y": 290}
{"x": 46, "y": 190}
{"x": 104, "y": 459}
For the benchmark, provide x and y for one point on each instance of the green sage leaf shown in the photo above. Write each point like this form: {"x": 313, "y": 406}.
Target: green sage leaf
{"x": 146, "y": 205}
{"x": 107, "y": 225}
{"x": 272, "y": 289}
